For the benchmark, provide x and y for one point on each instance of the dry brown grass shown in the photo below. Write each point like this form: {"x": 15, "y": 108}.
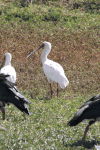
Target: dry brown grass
{"x": 78, "y": 53}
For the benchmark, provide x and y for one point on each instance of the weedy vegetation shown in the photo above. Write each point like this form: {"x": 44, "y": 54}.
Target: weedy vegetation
{"x": 73, "y": 28}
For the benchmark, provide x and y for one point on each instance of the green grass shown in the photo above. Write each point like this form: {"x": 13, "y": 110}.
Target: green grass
{"x": 73, "y": 28}
{"x": 47, "y": 128}
{"x": 55, "y": 15}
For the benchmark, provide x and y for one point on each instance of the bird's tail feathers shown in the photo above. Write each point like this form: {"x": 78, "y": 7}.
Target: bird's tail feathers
{"x": 21, "y": 105}
{"x": 65, "y": 83}
{"x": 20, "y": 95}
{"x": 19, "y": 100}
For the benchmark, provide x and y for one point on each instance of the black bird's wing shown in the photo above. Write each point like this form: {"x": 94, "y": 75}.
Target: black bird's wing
{"x": 10, "y": 94}
{"x": 89, "y": 110}
{"x": 91, "y": 100}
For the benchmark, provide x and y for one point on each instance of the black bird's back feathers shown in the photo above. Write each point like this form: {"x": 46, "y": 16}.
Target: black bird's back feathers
{"x": 89, "y": 110}
{"x": 10, "y": 94}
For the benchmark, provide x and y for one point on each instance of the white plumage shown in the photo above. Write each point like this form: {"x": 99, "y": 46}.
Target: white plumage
{"x": 97, "y": 147}
{"x": 55, "y": 72}
{"x": 8, "y": 69}
{"x": 52, "y": 70}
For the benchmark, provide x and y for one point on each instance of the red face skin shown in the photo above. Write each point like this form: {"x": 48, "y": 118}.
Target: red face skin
{"x": 41, "y": 46}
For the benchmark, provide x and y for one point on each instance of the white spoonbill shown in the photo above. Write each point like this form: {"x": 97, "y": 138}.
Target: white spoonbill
{"x": 52, "y": 70}
{"x": 8, "y": 69}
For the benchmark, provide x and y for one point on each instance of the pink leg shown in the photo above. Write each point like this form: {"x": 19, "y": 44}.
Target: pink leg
{"x": 57, "y": 90}
{"x": 3, "y": 113}
{"x": 85, "y": 132}
{"x": 87, "y": 128}
{"x": 51, "y": 90}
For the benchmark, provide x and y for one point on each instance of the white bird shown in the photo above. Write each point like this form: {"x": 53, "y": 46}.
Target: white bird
{"x": 97, "y": 147}
{"x": 8, "y": 69}
{"x": 52, "y": 70}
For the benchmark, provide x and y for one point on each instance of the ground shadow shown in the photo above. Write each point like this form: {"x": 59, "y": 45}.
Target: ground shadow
{"x": 85, "y": 144}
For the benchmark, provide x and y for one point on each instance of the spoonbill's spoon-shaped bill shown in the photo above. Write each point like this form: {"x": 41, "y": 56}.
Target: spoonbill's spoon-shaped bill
{"x": 35, "y": 51}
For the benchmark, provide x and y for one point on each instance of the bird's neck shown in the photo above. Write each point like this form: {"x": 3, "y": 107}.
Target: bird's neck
{"x": 44, "y": 54}
{"x": 7, "y": 62}
{"x": 43, "y": 57}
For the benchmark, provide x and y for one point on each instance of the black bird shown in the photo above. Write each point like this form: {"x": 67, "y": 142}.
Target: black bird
{"x": 89, "y": 110}
{"x": 10, "y": 94}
